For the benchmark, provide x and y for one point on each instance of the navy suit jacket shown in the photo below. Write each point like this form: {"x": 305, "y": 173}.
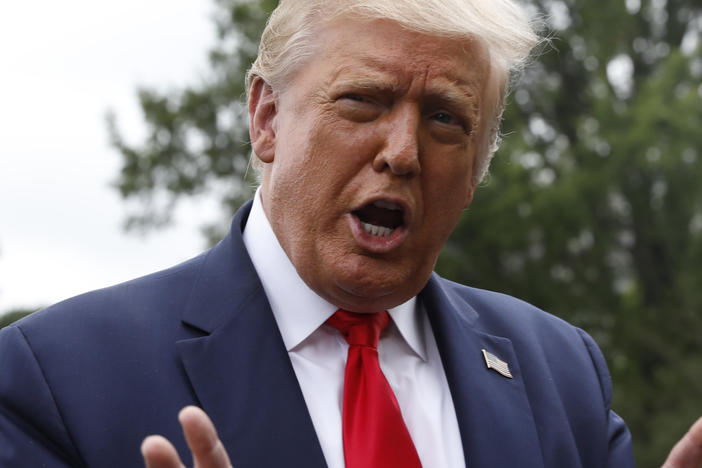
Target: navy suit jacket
{"x": 84, "y": 381}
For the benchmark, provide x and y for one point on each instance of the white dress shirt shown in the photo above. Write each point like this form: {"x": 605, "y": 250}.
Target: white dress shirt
{"x": 407, "y": 350}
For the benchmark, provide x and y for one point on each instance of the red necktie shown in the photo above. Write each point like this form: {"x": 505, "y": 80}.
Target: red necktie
{"x": 375, "y": 436}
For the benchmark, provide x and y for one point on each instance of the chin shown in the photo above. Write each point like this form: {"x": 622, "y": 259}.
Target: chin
{"x": 377, "y": 289}
{"x": 363, "y": 304}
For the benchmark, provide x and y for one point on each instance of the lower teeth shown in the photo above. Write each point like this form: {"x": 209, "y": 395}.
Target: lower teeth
{"x": 373, "y": 230}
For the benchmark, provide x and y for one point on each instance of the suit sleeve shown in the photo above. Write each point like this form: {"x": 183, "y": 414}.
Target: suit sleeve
{"x": 620, "y": 453}
{"x": 32, "y": 431}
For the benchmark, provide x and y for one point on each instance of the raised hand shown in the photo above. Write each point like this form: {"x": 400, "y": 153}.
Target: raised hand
{"x": 200, "y": 433}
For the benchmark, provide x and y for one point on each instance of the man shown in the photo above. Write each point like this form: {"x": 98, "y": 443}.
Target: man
{"x": 373, "y": 122}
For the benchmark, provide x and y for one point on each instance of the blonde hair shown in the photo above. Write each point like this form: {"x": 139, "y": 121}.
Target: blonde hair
{"x": 503, "y": 26}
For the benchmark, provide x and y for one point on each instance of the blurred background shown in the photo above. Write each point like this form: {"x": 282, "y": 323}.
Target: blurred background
{"x": 63, "y": 67}
{"x": 124, "y": 150}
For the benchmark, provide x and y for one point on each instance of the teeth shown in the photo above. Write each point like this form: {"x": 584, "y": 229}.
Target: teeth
{"x": 373, "y": 230}
{"x": 387, "y": 205}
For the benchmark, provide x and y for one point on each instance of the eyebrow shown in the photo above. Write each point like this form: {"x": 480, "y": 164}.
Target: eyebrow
{"x": 450, "y": 91}
{"x": 454, "y": 92}
{"x": 370, "y": 78}
{"x": 460, "y": 98}
{"x": 365, "y": 82}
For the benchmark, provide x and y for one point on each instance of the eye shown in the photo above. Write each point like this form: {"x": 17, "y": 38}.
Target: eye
{"x": 445, "y": 118}
{"x": 450, "y": 121}
{"x": 355, "y": 97}
{"x": 358, "y": 107}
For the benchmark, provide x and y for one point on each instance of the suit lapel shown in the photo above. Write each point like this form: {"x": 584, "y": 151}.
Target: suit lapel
{"x": 494, "y": 415}
{"x": 240, "y": 369}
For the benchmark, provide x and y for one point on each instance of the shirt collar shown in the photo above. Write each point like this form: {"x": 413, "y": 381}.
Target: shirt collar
{"x": 298, "y": 310}
{"x": 408, "y": 320}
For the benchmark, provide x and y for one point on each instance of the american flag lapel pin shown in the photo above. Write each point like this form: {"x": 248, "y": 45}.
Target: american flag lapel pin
{"x": 496, "y": 364}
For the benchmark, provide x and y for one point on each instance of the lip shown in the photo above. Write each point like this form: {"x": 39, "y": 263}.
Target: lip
{"x": 377, "y": 244}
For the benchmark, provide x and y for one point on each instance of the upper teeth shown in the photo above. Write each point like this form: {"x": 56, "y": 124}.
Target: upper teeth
{"x": 387, "y": 205}
{"x": 374, "y": 230}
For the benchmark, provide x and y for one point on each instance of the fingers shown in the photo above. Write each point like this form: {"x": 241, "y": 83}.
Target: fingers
{"x": 687, "y": 453}
{"x": 159, "y": 453}
{"x": 200, "y": 433}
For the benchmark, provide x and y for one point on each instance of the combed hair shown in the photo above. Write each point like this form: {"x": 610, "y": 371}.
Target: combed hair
{"x": 503, "y": 26}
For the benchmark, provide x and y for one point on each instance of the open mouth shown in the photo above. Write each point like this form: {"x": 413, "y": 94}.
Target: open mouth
{"x": 380, "y": 218}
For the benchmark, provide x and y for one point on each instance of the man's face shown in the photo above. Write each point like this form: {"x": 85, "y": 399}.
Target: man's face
{"x": 369, "y": 154}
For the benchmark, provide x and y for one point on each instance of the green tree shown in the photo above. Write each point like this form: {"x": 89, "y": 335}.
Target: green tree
{"x": 13, "y": 315}
{"x": 198, "y": 136}
{"x": 592, "y": 210}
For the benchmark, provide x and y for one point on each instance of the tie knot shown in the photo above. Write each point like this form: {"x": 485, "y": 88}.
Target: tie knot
{"x": 360, "y": 329}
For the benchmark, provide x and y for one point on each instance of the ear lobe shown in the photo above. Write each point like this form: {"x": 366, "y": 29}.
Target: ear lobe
{"x": 262, "y": 113}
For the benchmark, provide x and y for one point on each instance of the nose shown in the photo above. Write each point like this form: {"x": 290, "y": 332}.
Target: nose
{"x": 400, "y": 151}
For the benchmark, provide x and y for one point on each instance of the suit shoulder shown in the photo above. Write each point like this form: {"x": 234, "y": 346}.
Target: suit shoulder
{"x": 532, "y": 330}
{"x": 495, "y": 308}
{"x": 136, "y": 302}
{"x": 551, "y": 347}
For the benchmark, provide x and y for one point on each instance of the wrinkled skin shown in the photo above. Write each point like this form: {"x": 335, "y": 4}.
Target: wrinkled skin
{"x": 377, "y": 113}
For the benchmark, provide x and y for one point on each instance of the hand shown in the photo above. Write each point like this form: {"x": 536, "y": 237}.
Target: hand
{"x": 687, "y": 453}
{"x": 200, "y": 433}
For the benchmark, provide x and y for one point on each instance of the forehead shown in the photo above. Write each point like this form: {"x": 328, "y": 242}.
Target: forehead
{"x": 376, "y": 51}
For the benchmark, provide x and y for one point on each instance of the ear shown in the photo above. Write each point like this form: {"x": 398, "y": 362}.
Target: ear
{"x": 262, "y": 113}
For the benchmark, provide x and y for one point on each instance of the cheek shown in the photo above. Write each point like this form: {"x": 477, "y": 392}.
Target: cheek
{"x": 338, "y": 153}
{"x": 447, "y": 188}
{"x": 450, "y": 171}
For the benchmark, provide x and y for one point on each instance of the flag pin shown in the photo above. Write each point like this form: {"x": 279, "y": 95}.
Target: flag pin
{"x": 496, "y": 364}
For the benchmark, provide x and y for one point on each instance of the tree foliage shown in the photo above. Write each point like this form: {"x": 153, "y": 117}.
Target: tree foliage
{"x": 592, "y": 210}
{"x": 198, "y": 136}
{"x": 13, "y": 315}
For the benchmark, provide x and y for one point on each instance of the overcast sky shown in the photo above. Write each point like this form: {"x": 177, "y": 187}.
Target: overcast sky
{"x": 62, "y": 66}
